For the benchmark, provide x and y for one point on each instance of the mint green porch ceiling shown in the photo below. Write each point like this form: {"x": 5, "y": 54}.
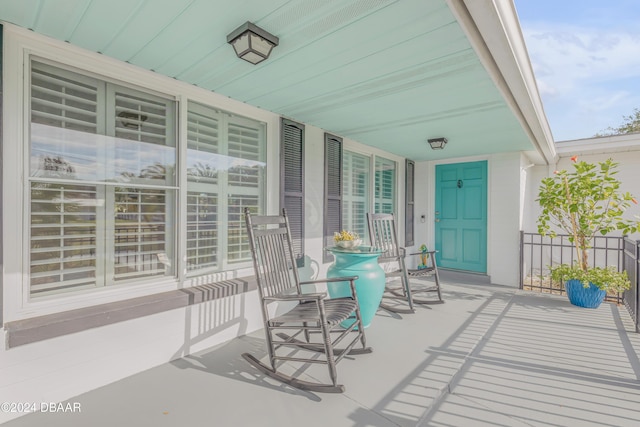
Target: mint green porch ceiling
{"x": 388, "y": 74}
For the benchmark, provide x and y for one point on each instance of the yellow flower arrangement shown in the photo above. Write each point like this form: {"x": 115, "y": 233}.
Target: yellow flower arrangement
{"x": 347, "y": 239}
{"x": 345, "y": 236}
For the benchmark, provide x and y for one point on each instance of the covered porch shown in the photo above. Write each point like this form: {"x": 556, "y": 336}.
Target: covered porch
{"x": 491, "y": 355}
{"x": 150, "y": 136}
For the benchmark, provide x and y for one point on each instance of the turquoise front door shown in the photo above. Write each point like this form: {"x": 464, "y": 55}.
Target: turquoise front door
{"x": 461, "y": 216}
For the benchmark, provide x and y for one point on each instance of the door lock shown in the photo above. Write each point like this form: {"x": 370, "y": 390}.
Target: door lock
{"x": 460, "y": 183}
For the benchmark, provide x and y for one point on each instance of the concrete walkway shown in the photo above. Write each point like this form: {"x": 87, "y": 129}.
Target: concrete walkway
{"x": 489, "y": 356}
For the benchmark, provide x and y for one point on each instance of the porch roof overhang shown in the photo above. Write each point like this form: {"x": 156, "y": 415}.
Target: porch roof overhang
{"x": 599, "y": 145}
{"x": 386, "y": 73}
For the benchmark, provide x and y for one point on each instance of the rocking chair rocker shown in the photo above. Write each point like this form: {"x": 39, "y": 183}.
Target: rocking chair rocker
{"x": 277, "y": 275}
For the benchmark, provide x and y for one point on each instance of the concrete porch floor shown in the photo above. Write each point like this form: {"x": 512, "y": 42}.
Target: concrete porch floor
{"x": 490, "y": 355}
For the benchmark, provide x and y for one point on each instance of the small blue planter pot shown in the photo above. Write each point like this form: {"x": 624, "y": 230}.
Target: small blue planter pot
{"x": 590, "y": 297}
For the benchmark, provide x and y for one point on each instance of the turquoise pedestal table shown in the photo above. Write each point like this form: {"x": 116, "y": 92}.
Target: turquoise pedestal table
{"x": 361, "y": 262}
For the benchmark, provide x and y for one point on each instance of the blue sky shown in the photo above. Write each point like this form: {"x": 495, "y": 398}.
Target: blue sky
{"x": 586, "y": 58}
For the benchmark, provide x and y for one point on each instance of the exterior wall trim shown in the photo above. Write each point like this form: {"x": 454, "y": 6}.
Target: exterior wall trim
{"x": 35, "y": 329}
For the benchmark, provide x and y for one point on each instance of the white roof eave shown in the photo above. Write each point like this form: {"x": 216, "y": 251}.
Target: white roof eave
{"x": 493, "y": 29}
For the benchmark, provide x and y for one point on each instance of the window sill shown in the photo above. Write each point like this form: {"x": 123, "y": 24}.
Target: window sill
{"x": 36, "y": 329}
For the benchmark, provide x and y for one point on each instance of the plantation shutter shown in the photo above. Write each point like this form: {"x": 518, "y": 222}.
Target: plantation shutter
{"x": 244, "y": 184}
{"x": 355, "y": 192}
{"x": 203, "y": 136}
{"x": 225, "y": 171}
{"x": 140, "y": 233}
{"x": 141, "y": 220}
{"x": 385, "y": 182}
{"x": 62, "y": 222}
{"x": 332, "y": 190}
{"x": 83, "y": 234}
{"x": 68, "y": 101}
{"x": 409, "y": 212}
{"x": 141, "y": 119}
{"x": 292, "y": 180}
{"x": 63, "y": 237}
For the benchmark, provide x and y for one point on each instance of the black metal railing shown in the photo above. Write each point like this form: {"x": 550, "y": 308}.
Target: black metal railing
{"x": 539, "y": 253}
{"x": 631, "y": 260}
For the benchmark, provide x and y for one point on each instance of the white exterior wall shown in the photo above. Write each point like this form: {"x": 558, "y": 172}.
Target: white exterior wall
{"x": 56, "y": 369}
{"x": 534, "y": 176}
{"x": 503, "y": 235}
{"x": 623, "y": 149}
{"x": 59, "y": 368}
{"x": 313, "y": 203}
{"x": 628, "y": 169}
{"x": 504, "y": 216}
{"x": 314, "y": 196}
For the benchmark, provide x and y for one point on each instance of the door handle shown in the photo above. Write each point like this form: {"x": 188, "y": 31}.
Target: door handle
{"x": 460, "y": 183}
{"x": 437, "y": 219}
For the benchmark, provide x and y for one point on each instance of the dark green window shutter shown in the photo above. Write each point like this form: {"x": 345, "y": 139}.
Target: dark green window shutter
{"x": 409, "y": 211}
{"x": 332, "y": 190}
{"x": 292, "y": 180}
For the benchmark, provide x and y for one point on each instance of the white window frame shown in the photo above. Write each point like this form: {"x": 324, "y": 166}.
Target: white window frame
{"x": 105, "y": 277}
{"x": 19, "y": 45}
{"x": 223, "y": 190}
{"x": 394, "y": 187}
{"x": 372, "y": 154}
{"x": 348, "y": 199}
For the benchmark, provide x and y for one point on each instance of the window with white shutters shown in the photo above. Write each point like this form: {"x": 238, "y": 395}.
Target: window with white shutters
{"x": 245, "y": 184}
{"x": 63, "y": 237}
{"x": 385, "y": 185}
{"x": 140, "y": 231}
{"x": 203, "y": 146}
{"x": 202, "y": 230}
{"x": 355, "y": 193}
{"x": 225, "y": 170}
{"x": 102, "y": 182}
{"x": 68, "y": 101}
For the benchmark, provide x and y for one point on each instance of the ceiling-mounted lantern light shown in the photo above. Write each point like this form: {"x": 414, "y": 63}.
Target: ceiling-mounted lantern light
{"x": 252, "y": 43}
{"x": 437, "y": 143}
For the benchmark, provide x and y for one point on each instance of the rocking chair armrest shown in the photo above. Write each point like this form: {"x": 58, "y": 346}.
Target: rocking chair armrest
{"x": 329, "y": 280}
{"x": 297, "y": 297}
{"x": 420, "y": 253}
{"x": 350, "y": 279}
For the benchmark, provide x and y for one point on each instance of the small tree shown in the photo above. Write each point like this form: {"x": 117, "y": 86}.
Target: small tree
{"x": 584, "y": 203}
{"x": 631, "y": 124}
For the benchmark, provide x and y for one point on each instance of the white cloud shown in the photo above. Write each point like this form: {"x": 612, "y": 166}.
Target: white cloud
{"x": 588, "y": 78}
{"x": 565, "y": 56}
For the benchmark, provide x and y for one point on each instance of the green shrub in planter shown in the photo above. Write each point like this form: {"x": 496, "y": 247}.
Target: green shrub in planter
{"x": 606, "y": 279}
{"x": 585, "y": 203}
